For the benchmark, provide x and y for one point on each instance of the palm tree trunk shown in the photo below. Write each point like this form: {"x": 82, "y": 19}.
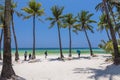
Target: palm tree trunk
{"x": 119, "y": 34}
{"x": 7, "y": 70}
{"x": 115, "y": 45}
{"x": 15, "y": 39}
{"x": 91, "y": 52}
{"x": 33, "y": 56}
{"x": 108, "y": 34}
{"x": 70, "y": 55}
{"x": 112, "y": 14}
{"x": 60, "y": 43}
{"x": 1, "y": 36}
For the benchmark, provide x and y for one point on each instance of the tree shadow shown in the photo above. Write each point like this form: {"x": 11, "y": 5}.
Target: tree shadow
{"x": 111, "y": 71}
{"x": 105, "y": 56}
{"x": 81, "y": 70}
{"x": 55, "y": 59}
{"x": 19, "y": 78}
{"x": 13, "y": 78}
{"x": 67, "y": 58}
{"x": 78, "y": 58}
{"x": 85, "y": 57}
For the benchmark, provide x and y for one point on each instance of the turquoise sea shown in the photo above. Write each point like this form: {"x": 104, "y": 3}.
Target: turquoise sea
{"x": 40, "y": 51}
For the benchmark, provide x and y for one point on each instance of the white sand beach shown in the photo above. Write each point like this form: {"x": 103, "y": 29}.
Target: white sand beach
{"x": 85, "y": 68}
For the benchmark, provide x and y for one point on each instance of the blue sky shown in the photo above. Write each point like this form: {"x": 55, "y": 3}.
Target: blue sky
{"x": 46, "y": 37}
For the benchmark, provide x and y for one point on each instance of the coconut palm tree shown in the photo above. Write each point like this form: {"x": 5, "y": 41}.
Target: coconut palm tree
{"x": 110, "y": 5}
{"x": 117, "y": 6}
{"x": 13, "y": 11}
{"x": 102, "y": 24}
{"x": 69, "y": 22}
{"x": 84, "y": 25}
{"x": 57, "y": 16}
{"x": 115, "y": 46}
{"x": 33, "y": 10}
{"x": 7, "y": 70}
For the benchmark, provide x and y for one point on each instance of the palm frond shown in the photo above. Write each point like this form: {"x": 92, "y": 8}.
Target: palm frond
{"x": 90, "y": 28}
{"x": 14, "y": 5}
{"x": 99, "y": 6}
{"x": 75, "y": 31}
{"x": 32, "y": 4}
{"x": 84, "y": 20}
{"x": 69, "y": 20}
{"x": 64, "y": 25}
{"x": 50, "y": 18}
{"x": 57, "y": 11}
{"x": 40, "y": 20}
{"x": 89, "y": 16}
{"x": 40, "y": 12}
{"x": 27, "y": 17}
{"x": 91, "y": 21}
{"x": 52, "y": 24}
{"x": 77, "y": 27}
{"x": 28, "y": 10}
{"x": 18, "y": 13}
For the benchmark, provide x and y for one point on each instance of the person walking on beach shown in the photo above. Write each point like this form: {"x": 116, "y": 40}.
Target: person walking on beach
{"x": 25, "y": 55}
{"x": 45, "y": 54}
{"x": 78, "y": 52}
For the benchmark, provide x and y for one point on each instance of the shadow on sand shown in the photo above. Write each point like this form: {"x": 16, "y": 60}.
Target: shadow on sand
{"x": 14, "y": 78}
{"x": 106, "y": 56}
{"x": 55, "y": 59}
{"x": 111, "y": 70}
{"x": 82, "y": 57}
{"x": 67, "y": 58}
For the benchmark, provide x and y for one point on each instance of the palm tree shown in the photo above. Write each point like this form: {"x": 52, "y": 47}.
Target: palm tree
{"x": 69, "y": 21}
{"x": 102, "y": 24}
{"x": 33, "y": 10}
{"x": 7, "y": 70}
{"x": 14, "y": 5}
{"x": 117, "y": 6}
{"x": 115, "y": 46}
{"x": 57, "y": 16}
{"x": 84, "y": 25}
{"x": 110, "y": 5}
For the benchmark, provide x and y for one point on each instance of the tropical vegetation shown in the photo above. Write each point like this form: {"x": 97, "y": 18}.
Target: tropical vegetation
{"x": 84, "y": 23}
{"x": 14, "y": 5}
{"x": 112, "y": 32}
{"x": 57, "y": 18}
{"x": 7, "y": 70}
{"x": 33, "y": 10}
{"x": 69, "y": 22}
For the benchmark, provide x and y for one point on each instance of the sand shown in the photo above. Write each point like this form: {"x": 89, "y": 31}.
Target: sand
{"x": 85, "y": 68}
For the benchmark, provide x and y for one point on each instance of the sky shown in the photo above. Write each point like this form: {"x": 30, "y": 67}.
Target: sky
{"x": 48, "y": 38}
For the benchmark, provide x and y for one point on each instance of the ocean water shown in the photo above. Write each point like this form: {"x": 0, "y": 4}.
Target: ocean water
{"x": 40, "y": 51}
